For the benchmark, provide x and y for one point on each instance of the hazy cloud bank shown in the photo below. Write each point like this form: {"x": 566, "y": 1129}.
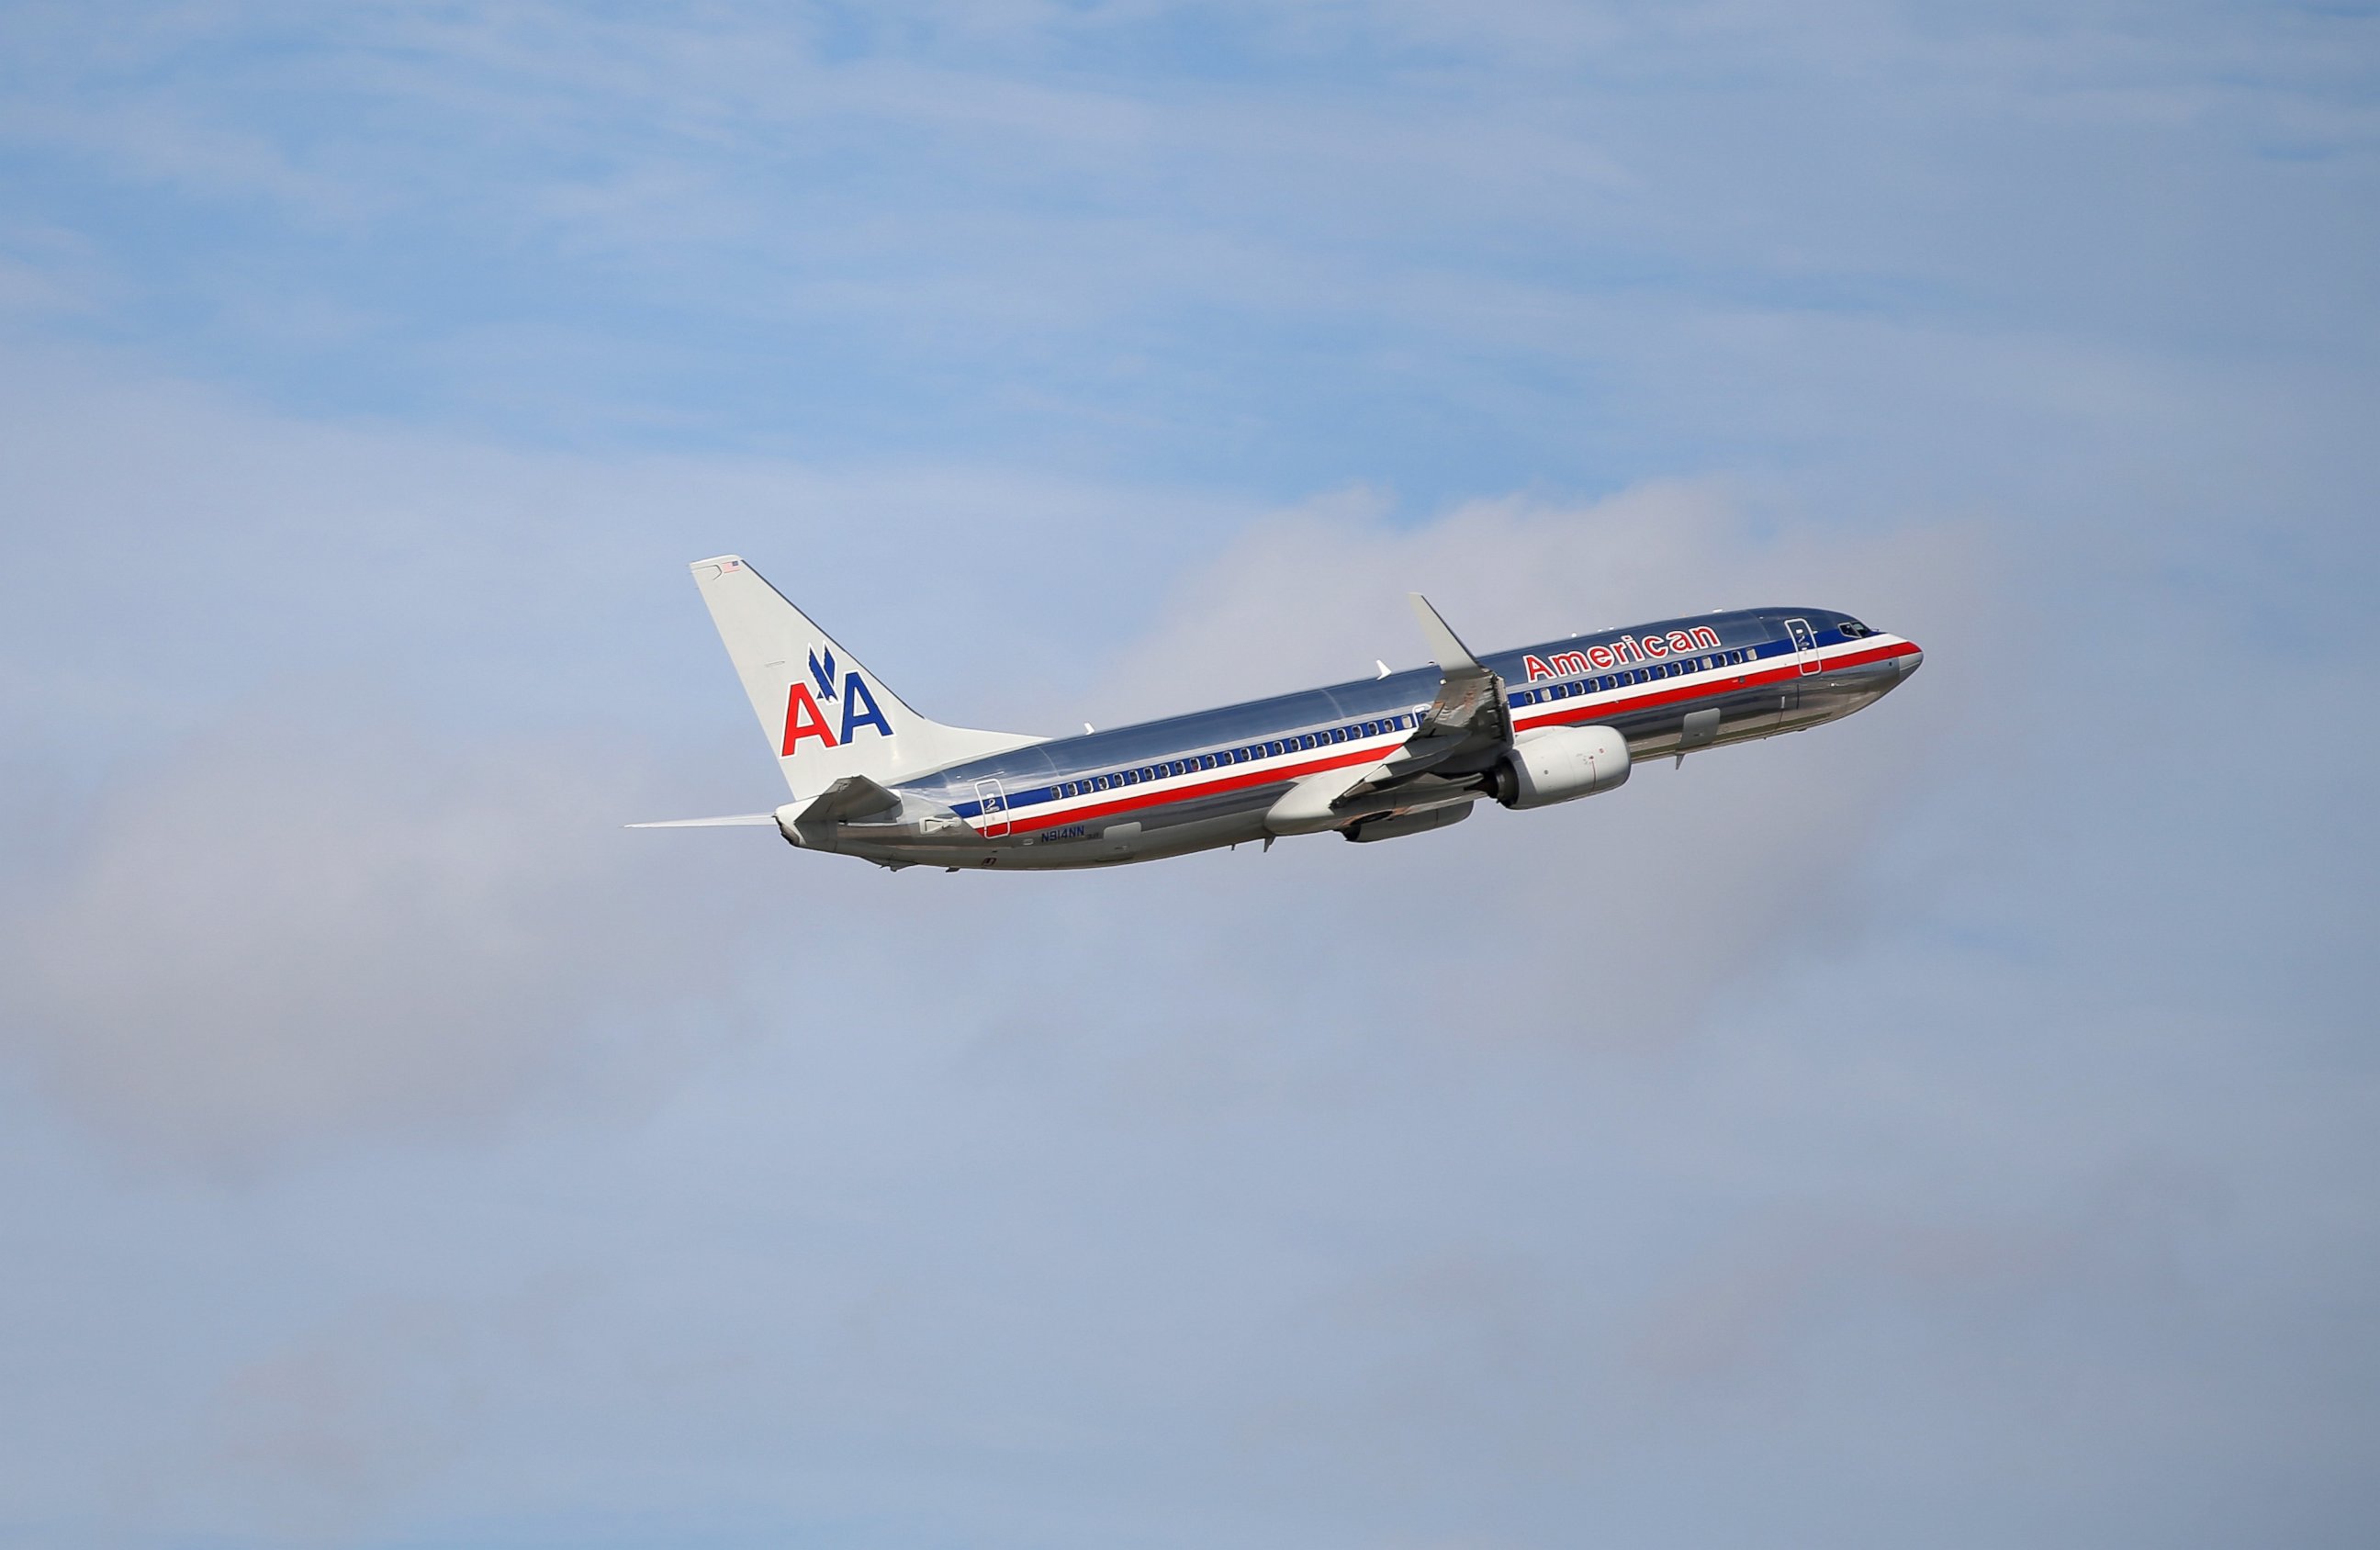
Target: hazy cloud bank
{"x": 291, "y": 931}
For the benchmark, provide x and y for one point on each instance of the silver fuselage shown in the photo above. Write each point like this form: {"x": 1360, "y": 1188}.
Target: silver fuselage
{"x": 1205, "y": 779}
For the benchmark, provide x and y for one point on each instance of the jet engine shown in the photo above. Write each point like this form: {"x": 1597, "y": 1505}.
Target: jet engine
{"x": 1555, "y": 764}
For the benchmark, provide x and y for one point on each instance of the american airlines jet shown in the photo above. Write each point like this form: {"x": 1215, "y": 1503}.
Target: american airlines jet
{"x": 1372, "y": 760}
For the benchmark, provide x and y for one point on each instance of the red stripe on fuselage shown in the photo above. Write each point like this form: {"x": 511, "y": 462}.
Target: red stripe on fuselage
{"x": 1652, "y": 698}
{"x": 1241, "y": 780}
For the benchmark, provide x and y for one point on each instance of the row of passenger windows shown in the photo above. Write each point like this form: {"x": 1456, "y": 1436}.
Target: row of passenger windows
{"x": 1675, "y": 668}
{"x": 1117, "y": 780}
{"x": 1355, "y": 732}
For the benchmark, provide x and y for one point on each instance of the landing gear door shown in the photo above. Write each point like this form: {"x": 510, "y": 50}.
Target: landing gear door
{"x": 1805, "y": 644}
{"x": 995, "y": 809}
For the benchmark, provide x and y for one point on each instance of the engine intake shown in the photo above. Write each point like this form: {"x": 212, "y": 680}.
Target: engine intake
{"x": 1558, "y": 764}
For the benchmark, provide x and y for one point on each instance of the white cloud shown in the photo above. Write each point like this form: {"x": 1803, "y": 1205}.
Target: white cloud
{"x": 297, "y": 932}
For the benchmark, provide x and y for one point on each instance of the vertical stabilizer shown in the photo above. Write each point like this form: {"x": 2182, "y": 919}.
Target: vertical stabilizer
{"x": 824, "y": 714}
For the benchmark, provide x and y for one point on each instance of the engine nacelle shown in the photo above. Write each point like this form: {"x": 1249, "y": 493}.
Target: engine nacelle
{"x": 1557, "y": 764}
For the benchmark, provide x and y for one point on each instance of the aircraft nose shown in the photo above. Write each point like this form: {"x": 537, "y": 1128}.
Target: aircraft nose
{"x": 1910, "y": 661}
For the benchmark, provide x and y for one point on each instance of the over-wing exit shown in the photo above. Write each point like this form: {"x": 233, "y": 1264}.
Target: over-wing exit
{"x": 1372, "y": 760}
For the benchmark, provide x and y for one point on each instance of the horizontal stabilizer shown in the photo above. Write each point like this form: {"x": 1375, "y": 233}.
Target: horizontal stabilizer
{"x": 853, "y": 796}
{"x": 733, "y": 821}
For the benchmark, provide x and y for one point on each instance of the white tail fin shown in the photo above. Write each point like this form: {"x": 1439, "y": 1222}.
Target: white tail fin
{"x": 824, "y": 714}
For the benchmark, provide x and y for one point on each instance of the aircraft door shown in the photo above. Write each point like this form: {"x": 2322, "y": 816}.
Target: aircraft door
{"x": 1805, "y": 644}
{"x": 995, "y": 808}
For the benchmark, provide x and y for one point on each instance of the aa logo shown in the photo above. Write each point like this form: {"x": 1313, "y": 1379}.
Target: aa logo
{"x": 804, "y": 719}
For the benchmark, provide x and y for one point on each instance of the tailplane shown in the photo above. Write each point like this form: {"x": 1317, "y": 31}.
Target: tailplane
{"x": 825, "y": 716}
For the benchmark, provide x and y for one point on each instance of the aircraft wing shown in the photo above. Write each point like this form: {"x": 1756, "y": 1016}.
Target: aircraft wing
{"x": 1471, "y": 714}
{"x": 1463, "y": 727}
{"x": 1470, "y": 700}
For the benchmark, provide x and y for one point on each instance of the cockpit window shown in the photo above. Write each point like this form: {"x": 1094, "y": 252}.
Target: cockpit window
{"x": 1853, "y": 629}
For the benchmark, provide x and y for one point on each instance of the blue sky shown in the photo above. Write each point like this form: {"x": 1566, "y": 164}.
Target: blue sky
{"x": 1956, "y": 1122}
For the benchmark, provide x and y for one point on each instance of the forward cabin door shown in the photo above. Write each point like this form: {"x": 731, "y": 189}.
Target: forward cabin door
{"x": 995, "y": 809}
{"x": 1790, "y": 703}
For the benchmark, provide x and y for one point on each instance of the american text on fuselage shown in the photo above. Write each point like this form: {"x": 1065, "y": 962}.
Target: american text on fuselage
{"x": 1372, "y": 758}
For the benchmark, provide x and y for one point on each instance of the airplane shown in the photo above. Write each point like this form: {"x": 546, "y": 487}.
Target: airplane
{"x": 1377, "y": 758}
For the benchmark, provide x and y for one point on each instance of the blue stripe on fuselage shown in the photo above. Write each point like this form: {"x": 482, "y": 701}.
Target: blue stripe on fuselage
{"x": 1042, "y": 768}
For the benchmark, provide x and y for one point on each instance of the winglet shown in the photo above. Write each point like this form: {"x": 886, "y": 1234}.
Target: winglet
{"x": 1452, "y": 657}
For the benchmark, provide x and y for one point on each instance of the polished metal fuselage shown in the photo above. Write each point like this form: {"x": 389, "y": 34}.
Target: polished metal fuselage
{"x": 1207, "y": 780}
